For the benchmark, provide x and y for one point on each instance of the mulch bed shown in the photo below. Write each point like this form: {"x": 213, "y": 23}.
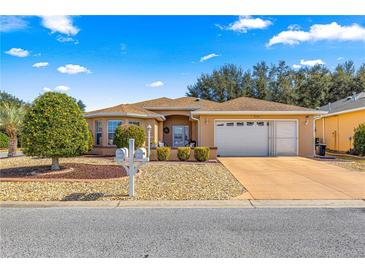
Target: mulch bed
{"x": 68, "y": 171}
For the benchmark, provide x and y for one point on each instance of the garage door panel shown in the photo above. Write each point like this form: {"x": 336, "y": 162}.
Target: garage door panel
{"x": 286, "y": 137}
{"x": 242, "y": 139}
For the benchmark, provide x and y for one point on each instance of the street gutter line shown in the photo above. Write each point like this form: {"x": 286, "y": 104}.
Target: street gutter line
{"x": 252, "y": 204}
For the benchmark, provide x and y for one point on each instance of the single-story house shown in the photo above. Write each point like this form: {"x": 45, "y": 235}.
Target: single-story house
{"x": 336, "y": 128}
{"x": 239, "y": 127}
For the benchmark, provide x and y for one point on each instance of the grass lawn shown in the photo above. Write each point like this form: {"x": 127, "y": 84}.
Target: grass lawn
{"x": 155, "y": 181}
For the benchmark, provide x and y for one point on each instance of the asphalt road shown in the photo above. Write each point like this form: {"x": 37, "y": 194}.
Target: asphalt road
{"x": 121, "y": 232}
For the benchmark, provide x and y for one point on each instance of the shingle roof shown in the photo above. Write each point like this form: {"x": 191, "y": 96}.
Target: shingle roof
{"x": 195, "y": 104}
{"x": 351, "y": 102}
{"x": 252, "y": 104}
{"x": 123, "y": 108}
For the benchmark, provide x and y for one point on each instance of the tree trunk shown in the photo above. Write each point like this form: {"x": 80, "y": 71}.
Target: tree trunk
{"x": 55, "y": 164}
{"x": 13, "y": 143}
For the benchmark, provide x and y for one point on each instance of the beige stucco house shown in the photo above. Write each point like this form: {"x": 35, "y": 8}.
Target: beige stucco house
{"x": 239, "y": 127}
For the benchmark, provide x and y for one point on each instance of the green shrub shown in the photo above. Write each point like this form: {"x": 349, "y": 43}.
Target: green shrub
{"x": 201, "y": 154}
{"x": 359, "y": 139}
{"x": 90, "y": 141}
{"x": 4, "y": 140}
{"x": 54, "y": 127}
{"x": 125, "y": 132}
{"x": 183, "y": 153}
{"x": 163, "y": 153}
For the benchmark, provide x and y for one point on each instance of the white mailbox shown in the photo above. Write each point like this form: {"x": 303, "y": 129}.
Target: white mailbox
{"x": 140, "y": 154}
{"x": 121, "y": 154}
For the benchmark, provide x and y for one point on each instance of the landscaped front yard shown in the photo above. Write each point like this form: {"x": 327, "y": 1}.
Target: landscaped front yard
{"x": 156, "y": 181}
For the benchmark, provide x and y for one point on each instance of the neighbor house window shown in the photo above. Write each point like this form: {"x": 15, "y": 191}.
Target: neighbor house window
{"x": 136, "y": 123}
{"x": 98, "y": 132}
{"x": 112, "y": 126}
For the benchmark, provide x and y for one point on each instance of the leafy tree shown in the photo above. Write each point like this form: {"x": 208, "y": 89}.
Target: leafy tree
{"x": 125, "y": 132}
{"x": 80, "y": 103}
{"x": 4, "y": 140}
{"x": 247, "y": 85}
{"x": 261, "y": 80}
{"x": 10, "y": 99}
{"x": 54, "y": 127}
{"x": 11, "y": 117}
{"x": 360, "y": 79}
{"x": 343, "y": 79}
{"x": 359, "y": 139}
{"x": 280, "y": 84}
{"x": 223, "y": 84}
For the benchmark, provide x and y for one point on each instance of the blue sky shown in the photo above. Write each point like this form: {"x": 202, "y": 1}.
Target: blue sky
{"x": 107, "y": 60}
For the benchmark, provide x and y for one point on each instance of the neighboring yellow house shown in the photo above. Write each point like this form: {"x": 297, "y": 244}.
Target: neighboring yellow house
{"x": 239, "y": 127}
{"x": 336, "y": 129}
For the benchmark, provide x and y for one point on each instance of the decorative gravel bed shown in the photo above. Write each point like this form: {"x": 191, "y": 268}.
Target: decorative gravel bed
{"x": 155, "y": 181}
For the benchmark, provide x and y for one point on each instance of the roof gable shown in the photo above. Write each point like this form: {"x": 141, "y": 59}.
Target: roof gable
{"x": 348, "y": 103}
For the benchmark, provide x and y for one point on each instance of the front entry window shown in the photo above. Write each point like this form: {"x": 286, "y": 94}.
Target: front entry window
{"x": 180, "y": 135}
{"x": 112, "y": 126}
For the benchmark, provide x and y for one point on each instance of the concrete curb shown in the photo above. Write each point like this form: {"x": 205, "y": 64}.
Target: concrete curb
{"x": 190, "y": 204}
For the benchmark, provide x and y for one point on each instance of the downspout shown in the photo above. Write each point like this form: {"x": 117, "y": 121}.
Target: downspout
{"x": 196, "y": 119}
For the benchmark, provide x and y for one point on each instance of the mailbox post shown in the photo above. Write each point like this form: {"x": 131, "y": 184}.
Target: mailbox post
{"x": 131, "y": 161}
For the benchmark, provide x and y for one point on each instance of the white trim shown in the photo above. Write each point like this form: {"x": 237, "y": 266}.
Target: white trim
{"x": 124, "y": 114}
{"x": 295, "y": 120}
{"x": 341, "y": 112}
{"x": 271, "y": 112}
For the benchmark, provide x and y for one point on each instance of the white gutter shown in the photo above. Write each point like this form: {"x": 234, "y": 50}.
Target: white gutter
{"x": 342, "y": 112}
{"x": 248, "y": 112}
{"x": 125, "y": 114}
{"x": 198, "y": 121}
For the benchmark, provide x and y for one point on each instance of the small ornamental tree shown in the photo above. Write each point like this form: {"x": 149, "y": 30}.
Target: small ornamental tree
{"x": 4, "y": 140}
{"x": 125, "y": 132}
{"x": 359, "y": 140}
{"x": 53, "y": 128}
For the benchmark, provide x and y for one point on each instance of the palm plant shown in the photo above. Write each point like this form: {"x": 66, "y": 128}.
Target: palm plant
{"x": 11, "y": 117}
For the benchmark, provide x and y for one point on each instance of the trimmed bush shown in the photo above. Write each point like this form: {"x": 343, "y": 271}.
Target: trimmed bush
{"x": 183, "y": 153}
{"x": 201, "y": 154}
{"x": 163, "y": 153}
{"x": 90, "y": 141}
{"x": 125, "y": 132}
{"x": 54, "y": 127}
{"x": 359, "y": 140}
{"x": 4, "y": 140}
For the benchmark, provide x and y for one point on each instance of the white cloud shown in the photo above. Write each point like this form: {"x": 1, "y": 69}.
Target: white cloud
{"x": 245, "y": 23}
{"x": 61, "y": 24}
{"x": 73, "y": 69}
{"x": 45, "y": 89}
{"x": 63, "y": 39}
{"x": 155, "y": 84}
{"x": 18, "y": 52}
{"x": 209, "y": 56}
{"x": 340, "y": 58}
{"x": 311, "y": 63}
{"x": 60, "y": 88}
{"x": 12, "y": 23}
{"x": 40, "y": 65}
{"x": 318, "y": 32}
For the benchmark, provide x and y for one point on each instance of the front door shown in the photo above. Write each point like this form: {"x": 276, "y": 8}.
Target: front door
{"x": 180, "y": 136}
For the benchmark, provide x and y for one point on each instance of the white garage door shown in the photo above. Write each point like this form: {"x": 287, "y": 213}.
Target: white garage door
{"x": 285, "y": 137}
{"x": 242, "y": 138}
{"x": 256, "y": 138}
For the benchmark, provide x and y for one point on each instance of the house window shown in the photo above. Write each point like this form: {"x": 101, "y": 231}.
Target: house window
{"x": 98, "y": 133}
{"x": 112, "y": 126}
{"x": 229, "y": 124}
{"x": 136, "y": 123}
{"x": 240, "y": 124}
{"x": 260, "y": 124}
{"x": 220, "y": 125}
{"x": 250, "y": 124}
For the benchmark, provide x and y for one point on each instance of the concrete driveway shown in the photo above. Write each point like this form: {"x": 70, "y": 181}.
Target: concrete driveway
{"x": 281, "y": 178}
